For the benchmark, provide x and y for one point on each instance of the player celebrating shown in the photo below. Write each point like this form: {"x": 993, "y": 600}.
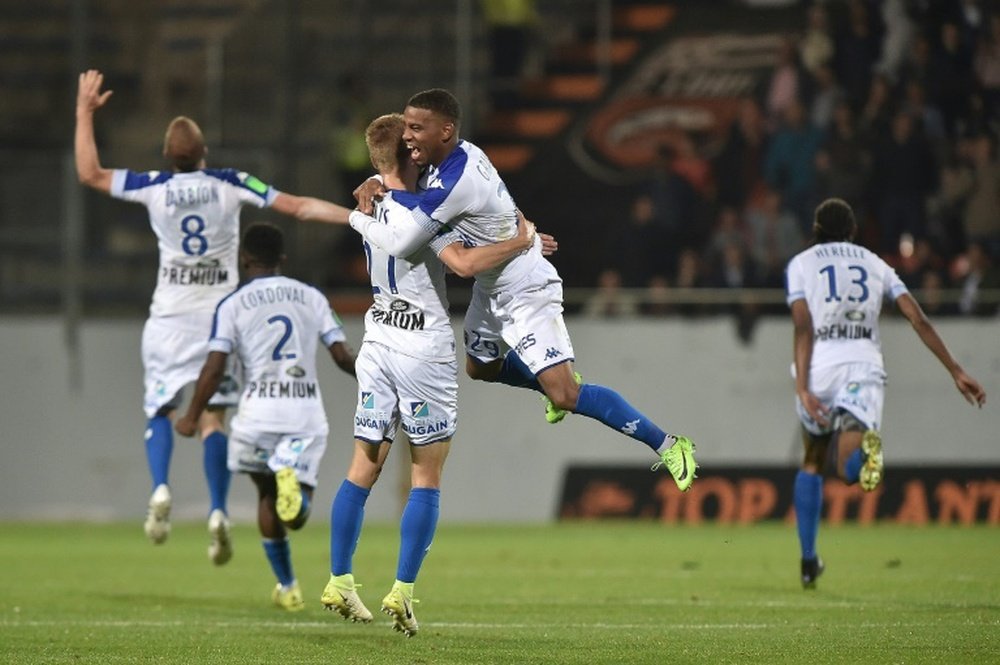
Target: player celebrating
{"x": 194, "y": 212}
{"x": 835, "y": 291}
{"x": 514, "y": 329}
{"x": 407, "y": 376}
{"x": 272, "y": 323}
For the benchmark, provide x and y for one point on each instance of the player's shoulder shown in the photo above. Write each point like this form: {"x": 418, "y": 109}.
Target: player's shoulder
{"x": 238, "y": 178}
{"x": 409, "y": 200}
{"x": 134, "y": 180}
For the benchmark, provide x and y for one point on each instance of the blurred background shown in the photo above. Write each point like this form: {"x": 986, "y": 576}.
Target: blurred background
{"x": 676, "y": 150}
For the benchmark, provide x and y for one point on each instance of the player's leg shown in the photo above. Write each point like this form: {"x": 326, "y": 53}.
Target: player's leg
{"x": 159, "y": 444}
{"x": 428, "y": 395}
{"x": 859, "y": 403}
{"x": 416, "y": 530}
{"x": 215, "y": 446}
{"x": 807, "y": 496}
{"x": 215, "y": 443}
{"x": 610, "y": 408}
{"x": 295, "y": 463}
{"x": 287, "y": 594}
{"x": 346, "y": 517}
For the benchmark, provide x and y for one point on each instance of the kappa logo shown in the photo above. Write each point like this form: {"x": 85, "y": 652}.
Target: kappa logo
{"x": 552, "y": 352}
{"x": 367, "y": 400}
{"x": 419, "y": 410}
{"x": 631, "y": 427}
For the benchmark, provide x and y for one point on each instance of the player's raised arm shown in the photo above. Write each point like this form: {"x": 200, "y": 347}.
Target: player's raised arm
{"x": 969, "y": 387}
{"x": 89, "y": 98}
{"x": 309, "y": 209}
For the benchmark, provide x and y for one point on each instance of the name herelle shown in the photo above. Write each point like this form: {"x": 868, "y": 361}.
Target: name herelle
{"x": 281, "y": 390}
{"x": 842, "y": 251}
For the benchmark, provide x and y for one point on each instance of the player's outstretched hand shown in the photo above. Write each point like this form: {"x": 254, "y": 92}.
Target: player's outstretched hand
{"x": 973, "y": 392}
{"x": 89, "y": 96}
{"x": 366, "y": 193}
{"x": 549, "y": 244}
{"x": 186, "y": 426}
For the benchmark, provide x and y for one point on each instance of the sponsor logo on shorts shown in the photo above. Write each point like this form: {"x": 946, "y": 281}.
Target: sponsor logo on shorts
{"x": 419, "y": 410}
{"x": 853, "y": 387}
{"x": 367, "y": 400}
{"x": 526, "y": 342}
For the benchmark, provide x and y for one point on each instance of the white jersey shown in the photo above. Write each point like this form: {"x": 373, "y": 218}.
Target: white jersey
{"x": 410, "y": 312}
{"x": 195, "y": 217}
{"x": 844, "y": 286}
{"x": 274, "y": 323}
{"x": 464, "y": 195}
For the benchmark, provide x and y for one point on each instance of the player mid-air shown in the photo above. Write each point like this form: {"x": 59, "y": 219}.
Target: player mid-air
{"x": 514, "y": 328}
{"x": 194, "y": 212}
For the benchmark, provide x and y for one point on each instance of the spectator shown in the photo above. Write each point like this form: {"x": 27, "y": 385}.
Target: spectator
{"x": 826, "y": 95}
{"x": 987, "y": 66}
{"x": 980, "y": 275}
{"x": 951, "y": 78}
{"x": 898, "y": 39}
{"x": 737, "y": 271}
{"x": 930, "y": 122}
{"x": 932, "y": 286}
{"x": 790, "y": 163}
{"x": 816, "y": 47}
{"x": 876, "y": 113}
{"x": 511, "y": 25}
{"x": 981, "y": 214}
{"x": 656, "y": 299}
{"x": 843, "y": 162}
{"x": 785, "y": 86}
{"x": 903, "y": 176}
{"x": 635, "y": 250}
{"x": 737, "y": 165}
{"x": 730, "y": 227}
{"x": 775, "y": 237}
{"x": 610, "y": 301}
{"x": 858, "y": 48}
{"x": 689, "y": 276}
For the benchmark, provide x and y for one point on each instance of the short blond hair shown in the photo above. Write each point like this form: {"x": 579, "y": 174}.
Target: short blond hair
{"x": 184, "y": 144}
{"x": 384, "y": 138}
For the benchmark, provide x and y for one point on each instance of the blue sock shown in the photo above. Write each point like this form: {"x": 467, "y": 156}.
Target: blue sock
{"x": 610, "y": 408}
{"x": 216, "y": 473}
{"x": 514, "y": 372}
{"x": 279, "y": 554}
{"x": 808, "y": 505}
{"x": 852, "y": 469}
{"x": 416, "y": 530}
{"x": 159, "y": 446}
{"x": 346, "y": 515}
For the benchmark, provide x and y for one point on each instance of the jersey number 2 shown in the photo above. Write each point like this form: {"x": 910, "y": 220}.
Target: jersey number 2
{"x": 287, "y": 323}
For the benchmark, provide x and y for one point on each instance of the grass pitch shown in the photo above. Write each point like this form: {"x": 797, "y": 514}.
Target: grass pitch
{"x": 570, "y": 593}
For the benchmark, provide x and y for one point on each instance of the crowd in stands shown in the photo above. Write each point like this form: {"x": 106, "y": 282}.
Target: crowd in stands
{"x": 892, "y": 105}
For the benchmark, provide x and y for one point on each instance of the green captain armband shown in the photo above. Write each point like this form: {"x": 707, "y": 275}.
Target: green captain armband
{"x": 255, "y": 185}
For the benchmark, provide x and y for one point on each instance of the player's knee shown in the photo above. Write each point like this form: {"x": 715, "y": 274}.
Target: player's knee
{"x": 481, "y": 371}
{"x": 564, "y": 396}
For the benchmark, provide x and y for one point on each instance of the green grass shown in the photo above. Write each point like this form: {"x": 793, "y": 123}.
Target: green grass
{"x": 571, "y": 593}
